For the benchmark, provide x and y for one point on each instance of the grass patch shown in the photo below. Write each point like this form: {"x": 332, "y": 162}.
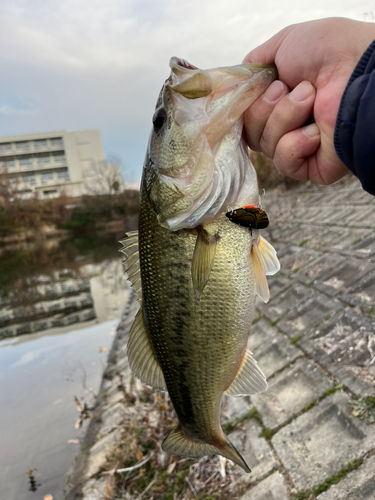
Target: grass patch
{"x": 364, "y": 408}
{"x": 332, "y": 390}
{"x": 273, "y": 323}
{"x": 309, "y": 406}
{"x": 296, "y": 269}
{"x": 303, "y": 242}
{"x": 267, "y": 433}
{"x": 296, "y": 338}
{"x": 255, "y": 320}
{"x": 313, "y": 492}
{"x": 229, "y": 426}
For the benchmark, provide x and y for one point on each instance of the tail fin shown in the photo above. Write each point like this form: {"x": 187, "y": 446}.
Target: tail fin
{"x": 177, "y": 443}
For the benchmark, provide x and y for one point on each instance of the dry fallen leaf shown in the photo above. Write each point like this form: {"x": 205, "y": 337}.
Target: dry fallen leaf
{"x": 74, "y": 441}
{"x": 103, "y": 349}
{"x": 48, "y": 497}
{"x": 139, "y": 455}
{"x": 171, "y": 467}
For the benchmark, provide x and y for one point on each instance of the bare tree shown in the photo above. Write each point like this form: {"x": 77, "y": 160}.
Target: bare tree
{"x": 104, "y": 177}
{"x": 8, "y": 186}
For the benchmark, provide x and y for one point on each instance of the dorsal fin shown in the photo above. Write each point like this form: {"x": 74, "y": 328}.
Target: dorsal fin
{"x": 249, "y": 379}
{"x": 131, "y": 261}
{"x": 142, "y": 359}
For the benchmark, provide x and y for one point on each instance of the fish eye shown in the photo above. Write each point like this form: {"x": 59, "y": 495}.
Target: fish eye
{"x": 159, "y": 118}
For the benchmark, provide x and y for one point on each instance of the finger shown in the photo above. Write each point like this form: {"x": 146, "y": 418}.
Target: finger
{"x": 256, "y": 116}
{"x": 290, "y": 113}
{"x": 293, "y": 151}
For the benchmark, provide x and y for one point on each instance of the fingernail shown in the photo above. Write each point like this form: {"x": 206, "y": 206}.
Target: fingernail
{"x": 274, "y": 91}
{"x": 302, "y": 91}
{"x": 311, "y": 130}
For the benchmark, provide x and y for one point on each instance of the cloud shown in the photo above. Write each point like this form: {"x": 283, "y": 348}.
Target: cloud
{"x": 93, "y": 64}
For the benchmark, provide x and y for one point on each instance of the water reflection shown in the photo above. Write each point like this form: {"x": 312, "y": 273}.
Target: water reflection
{"x": 81, "y": 290}
{"x": 59, "y": 308}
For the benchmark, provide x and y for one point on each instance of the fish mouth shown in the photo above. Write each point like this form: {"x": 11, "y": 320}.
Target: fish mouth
{"x": 177, "y": 62}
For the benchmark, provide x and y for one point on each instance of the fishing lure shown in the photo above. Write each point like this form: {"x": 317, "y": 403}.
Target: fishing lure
{"x": 250, "y": 216}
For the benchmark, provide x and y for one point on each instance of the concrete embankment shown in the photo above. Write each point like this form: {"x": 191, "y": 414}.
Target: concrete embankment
{"x": 312, "y": 433}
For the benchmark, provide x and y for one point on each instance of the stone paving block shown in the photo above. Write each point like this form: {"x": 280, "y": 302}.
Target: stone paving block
{"x": 363, "y": 249}
{"x": 342, "y": 275}
{"x": 281, "y": 231}
{"x": 344, "y": 337}
{"x": 358, "y": 379}
{"x": 336, "y": 215}
{"x": 357, "y": 485}
{"x": 271, "y": 488}
{"x": 255, "y": 450}
{"x": 276, "y": 285}
{"x": 364, "y": 215}
{"x": 318, "y": 443}
{"x": 234, "y": 407}
{"x": 277, "y": 307}
{"x": 318, "y": 267}
{"x": 270, "y": 348}
{"x": 98, "y": 454}
{"x": 293, "y": 258}
{"x": 318, "y": 236}
{"x": 362, "y": 294}
{"x": 289, "y": 392}
{"x": 112, "y": 418}
{"x": 343, "y": 238}
{"x": 308, "y": 314}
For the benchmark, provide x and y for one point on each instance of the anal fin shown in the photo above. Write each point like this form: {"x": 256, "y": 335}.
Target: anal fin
{"x": 142, "y": 359}
{"x": 249, "y": 379}
{"x": 179, "y": 444}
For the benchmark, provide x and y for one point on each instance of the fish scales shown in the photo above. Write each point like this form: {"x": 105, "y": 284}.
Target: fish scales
{"x": 195, "y": 268}
{"x": 192, "y": 337}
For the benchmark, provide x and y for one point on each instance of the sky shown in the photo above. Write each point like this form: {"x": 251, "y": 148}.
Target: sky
{"x": 93, "y": 64}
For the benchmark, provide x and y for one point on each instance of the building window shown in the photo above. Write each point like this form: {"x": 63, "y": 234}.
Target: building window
{"x": 40, "y": 143}
{"x": 22, "y": 145}
{"x": 5, "y": 146}
{"x": 47, "y": 177}
{"x": 29, "y": 179}
{"x": 63, "y": 175}
{"x": 25, "y": 161}
{"x": 43, "y": 159}
{"x": 59, "y": 156}
{"x": 9, "y": 163}
{"x": 56, "y": 142}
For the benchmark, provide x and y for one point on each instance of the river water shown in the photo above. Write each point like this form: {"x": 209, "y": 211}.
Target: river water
{"x": 59, "y": 308}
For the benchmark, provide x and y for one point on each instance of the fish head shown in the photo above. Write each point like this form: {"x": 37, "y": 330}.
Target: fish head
{"x": 196, "y": 164}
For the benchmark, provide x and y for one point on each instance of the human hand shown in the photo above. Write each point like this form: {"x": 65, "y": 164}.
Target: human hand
{"x": 315, "y": 60}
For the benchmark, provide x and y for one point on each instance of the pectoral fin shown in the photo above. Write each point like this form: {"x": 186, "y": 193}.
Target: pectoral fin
{"x": 261, "y": 285}
{"x": 268, "y": 256}
{"x": 131, "y": 261}
{"x": 265, "y": 262}
{"x": 142, "y": 359}
{"x": 203, "y": 259}
{"x": 249, "y": 380}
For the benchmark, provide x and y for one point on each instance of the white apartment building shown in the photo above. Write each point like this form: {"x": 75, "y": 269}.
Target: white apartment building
{"x": 46, "y": 164}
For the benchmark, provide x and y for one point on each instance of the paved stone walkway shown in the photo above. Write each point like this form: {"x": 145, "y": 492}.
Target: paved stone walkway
{"x": 315, "y": 342}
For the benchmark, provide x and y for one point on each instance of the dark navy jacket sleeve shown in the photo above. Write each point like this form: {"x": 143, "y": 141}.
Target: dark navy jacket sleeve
{"x": 354, "y": 137}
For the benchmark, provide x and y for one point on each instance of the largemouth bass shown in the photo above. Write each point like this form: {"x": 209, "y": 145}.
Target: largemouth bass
{"x": 196, "y": 271}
